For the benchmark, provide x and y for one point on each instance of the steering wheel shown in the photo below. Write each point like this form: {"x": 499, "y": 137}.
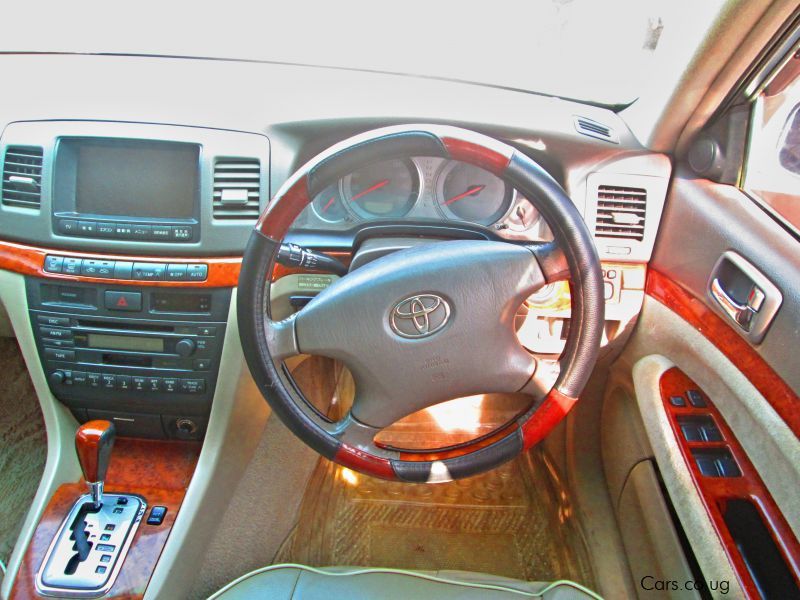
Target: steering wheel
{"x": 426, "y": 324}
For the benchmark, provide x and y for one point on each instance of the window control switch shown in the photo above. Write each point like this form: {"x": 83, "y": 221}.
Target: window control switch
{"x": 696, "y": 399}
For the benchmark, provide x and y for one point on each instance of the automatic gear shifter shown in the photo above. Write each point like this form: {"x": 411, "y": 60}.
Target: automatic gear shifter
{"x": 93, "y": 443}
{"x": 88, "y": 551}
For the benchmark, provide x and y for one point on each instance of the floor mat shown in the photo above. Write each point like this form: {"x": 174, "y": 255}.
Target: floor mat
{"x": 23, "y": 444}
{"x": 515, "y": 521}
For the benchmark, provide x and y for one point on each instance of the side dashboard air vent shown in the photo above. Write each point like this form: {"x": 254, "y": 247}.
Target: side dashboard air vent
{"x": 595, "y": 129}
{"x": 237, "y": 186}
{"x": 621, "y": 212}
{"x": 22, "y": 177}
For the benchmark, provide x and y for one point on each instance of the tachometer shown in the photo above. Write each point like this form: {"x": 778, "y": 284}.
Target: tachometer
{"x": 468, "y": 193}
{"x": 382, "y": 190}
{"x": 328, "y": 205}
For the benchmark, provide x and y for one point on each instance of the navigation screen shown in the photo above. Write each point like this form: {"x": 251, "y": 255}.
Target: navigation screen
{"x": 133, "y": 178}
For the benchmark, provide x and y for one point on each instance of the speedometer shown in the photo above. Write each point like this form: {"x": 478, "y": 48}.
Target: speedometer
{"x": 382, "y": 190}
{"x": 468, "y": 193}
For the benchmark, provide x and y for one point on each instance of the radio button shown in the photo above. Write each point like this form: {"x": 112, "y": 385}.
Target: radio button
{"x": 169, "y": 384}
{"x": 149, "y": 271}
{"x": 56, "y": 333}
{"x": 161, "y": 232}
{"x": 72, "y": 266}
{"x": 207, "y": 331}
{"x": 53, "y": 321}
{"x": 193, "y": 386}
{"x": 153, "y": 384}
{"x": 123, "y": 382}
{"x": 108, "y": 380}
{"x": 79, "y": 377}
{"x": 139, "y": 384}
{"x": 53, "y": 264}
{"x": 58, "y": 343}
{"x": 93, "y": 379}
{"x": 128, "y": 301}
{"x": 87, "y": 228}
{"x": 123, "y": 270}
{"x": 176, "y": 272}
{"x": 196, "y": 272}
{"x": 140, "y": 232}
{"x": 68, "y": 226}
{"x": 182, "y": 233}
{"x": 59, "y": 354}
{"x": 202, "y": 364}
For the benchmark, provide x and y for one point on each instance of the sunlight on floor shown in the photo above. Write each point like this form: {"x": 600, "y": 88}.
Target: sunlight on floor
{"x": 463, "y": 414}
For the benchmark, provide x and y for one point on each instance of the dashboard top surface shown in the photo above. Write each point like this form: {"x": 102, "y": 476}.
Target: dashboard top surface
{"x": 302, "y": 110}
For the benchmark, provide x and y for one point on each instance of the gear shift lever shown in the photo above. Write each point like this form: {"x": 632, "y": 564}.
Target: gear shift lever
{"x": 84, "y": 559}
{"x": 93, "y": 442}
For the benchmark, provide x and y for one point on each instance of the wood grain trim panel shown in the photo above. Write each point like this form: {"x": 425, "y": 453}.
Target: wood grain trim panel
{"x": 29, "y": 260}
{"x": 780, "y": 396}
{"x": 156, "y": 470}
{"x": 716, "y": 491}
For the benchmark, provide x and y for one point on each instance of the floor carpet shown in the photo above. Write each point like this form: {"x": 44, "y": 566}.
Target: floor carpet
{"x": 515, "y": 521}
{"x": 23, "y": 444}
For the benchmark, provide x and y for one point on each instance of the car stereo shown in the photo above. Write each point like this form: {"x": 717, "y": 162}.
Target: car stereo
{"x": 128, "y": 189}
{"x": 144, "y": 357}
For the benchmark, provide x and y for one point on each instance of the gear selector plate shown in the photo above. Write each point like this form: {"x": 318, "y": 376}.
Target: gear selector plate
{"x": 88, "y": 551}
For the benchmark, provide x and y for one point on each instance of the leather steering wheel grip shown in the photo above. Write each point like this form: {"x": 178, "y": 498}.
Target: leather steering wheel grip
{"x": 570, "y": 235}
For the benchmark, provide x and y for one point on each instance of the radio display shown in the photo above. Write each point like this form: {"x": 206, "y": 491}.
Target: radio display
{"x": 125, "y": 342}
{"x": 135, "y": 178}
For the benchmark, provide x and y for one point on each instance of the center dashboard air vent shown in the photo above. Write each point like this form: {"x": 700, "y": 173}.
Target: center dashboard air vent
{"x": 621, "y": 212}
{"x": 22, "y": 177}
{"x": 237, "y": 188}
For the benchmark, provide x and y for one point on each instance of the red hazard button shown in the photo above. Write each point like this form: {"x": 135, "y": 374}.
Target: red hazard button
{"x": 129, "y": 301}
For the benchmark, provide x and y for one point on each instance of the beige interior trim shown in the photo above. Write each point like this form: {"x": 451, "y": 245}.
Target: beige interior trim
{"x": 438, "y": 577}
{"x": 747, "y": 52}
{"x": 238, "y": 417}
{"x": 663, "y": 340}
{"x": 62, "y": 463}
{"x": 685, "y": 497}
{"x": 661, "y": 117}
{"x": 769, "y": 443}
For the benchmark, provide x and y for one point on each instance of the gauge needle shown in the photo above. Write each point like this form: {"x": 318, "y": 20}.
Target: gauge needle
{"x": 470, "y": 192}
{"x": 329, "y": 204}
{"x": 370, "y": 189}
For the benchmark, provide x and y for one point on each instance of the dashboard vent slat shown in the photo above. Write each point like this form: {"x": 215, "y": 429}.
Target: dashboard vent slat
{"x": 595, "y": 129}
{"x": 621, "y": 212}
{"x": 237, "y": 189}
{"x": 22, "y": 177}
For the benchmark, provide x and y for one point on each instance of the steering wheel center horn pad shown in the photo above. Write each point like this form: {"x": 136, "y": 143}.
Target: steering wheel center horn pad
{"x": 427, "y": 324}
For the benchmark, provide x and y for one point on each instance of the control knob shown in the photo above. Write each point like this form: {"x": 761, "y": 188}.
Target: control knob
{"x": 57, "y": 377}
{"x": 185, "y": 347}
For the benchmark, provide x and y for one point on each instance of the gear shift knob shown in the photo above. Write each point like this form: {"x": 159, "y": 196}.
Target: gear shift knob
{"x": 93, "y": 443}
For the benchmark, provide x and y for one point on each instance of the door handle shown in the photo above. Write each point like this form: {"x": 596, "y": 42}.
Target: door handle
{"x": 741, "y": 313}
{"x": 734, "y": 279}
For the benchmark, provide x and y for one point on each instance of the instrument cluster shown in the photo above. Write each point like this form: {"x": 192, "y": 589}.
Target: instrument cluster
{"x": 420, "y": 188}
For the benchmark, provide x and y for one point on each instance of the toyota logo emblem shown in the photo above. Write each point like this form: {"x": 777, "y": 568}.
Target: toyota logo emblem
{"x": 419, "y": 316}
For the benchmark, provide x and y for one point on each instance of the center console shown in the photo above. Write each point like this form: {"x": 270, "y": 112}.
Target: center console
{"x": 145, "y": 358}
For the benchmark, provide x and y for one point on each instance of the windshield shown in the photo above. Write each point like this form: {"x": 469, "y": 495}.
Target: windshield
{"x": 605, "y": 52}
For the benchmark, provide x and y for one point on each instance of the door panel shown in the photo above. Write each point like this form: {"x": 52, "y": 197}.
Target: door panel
{"x": 702, "y": 221}
{"x": 754, "y": 386}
